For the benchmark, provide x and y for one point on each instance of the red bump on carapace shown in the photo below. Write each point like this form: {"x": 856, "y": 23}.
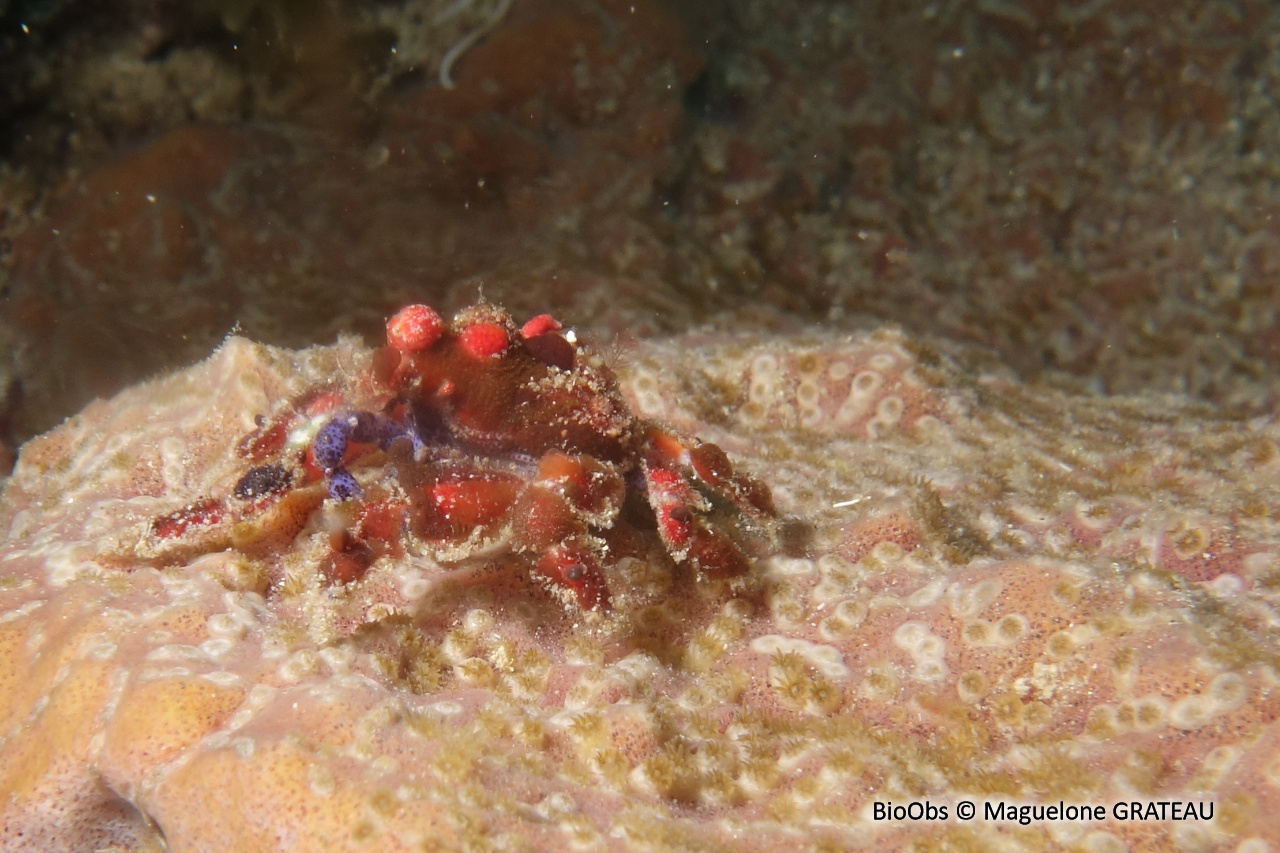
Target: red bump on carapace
{"x": 540, "y": 325}
{"x": 414, "y": 328}
{"x": 483, "y": 340}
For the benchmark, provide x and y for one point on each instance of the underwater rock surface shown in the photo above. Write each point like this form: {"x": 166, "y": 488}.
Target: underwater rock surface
{"x": 984, "y": 590}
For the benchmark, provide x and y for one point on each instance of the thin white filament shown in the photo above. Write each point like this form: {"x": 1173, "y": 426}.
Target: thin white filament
{"x": 464, "y": 44}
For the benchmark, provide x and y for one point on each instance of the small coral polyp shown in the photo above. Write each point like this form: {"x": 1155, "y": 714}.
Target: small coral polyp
{"x": 473, "y": 435}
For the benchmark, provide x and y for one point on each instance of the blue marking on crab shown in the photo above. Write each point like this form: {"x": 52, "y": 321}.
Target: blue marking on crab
{"x": 331, "y": 442}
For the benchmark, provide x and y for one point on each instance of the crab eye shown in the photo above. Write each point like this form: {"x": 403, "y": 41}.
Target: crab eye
{"x": 576, "y": 572}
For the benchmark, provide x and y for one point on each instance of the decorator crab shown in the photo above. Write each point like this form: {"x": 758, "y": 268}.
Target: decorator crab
{"x": 478, "y": 434}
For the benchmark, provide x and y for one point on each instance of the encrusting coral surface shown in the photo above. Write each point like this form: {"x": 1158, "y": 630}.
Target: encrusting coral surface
{"x": 979, "y": 591}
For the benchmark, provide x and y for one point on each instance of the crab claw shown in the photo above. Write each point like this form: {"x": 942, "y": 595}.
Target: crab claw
{"x": 330, "y": 446}
{"x": 328, "y": 450}
{"x": 573, "y": 566}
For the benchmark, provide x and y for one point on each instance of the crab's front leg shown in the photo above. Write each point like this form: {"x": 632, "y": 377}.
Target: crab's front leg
{"x": 328, "y": 450}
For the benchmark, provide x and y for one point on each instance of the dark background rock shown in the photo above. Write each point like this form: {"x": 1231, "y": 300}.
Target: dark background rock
{"x": 1088, "y": 197}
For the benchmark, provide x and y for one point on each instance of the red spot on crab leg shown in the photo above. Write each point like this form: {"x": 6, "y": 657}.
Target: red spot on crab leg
{"x": 574, "y": 567}
{"x": 201, "y": 513}
{"x": 467, "y": 504}
{"x": 669, "y": 496}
